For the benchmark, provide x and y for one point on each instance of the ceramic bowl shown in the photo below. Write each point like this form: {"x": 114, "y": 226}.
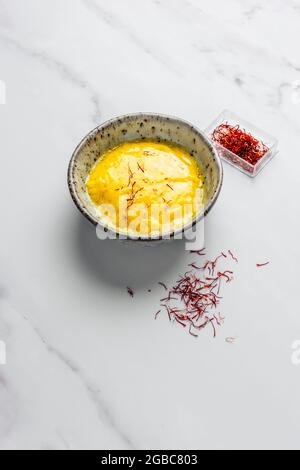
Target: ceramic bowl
{"x": 143, "y": 126}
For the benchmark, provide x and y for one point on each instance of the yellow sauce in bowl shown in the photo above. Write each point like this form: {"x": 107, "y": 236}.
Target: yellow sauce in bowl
{"x": 146, "y": 188}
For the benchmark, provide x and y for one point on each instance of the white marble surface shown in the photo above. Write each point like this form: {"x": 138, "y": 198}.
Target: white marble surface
{"x": 87, "y": 367}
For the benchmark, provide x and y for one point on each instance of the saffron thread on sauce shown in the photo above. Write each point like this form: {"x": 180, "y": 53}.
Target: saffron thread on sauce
{"x": 130, "y": 175}
{"x": 140, "y": 167}
{"x": 131, "y": 199}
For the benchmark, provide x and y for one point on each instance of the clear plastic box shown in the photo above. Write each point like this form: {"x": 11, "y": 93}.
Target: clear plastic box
{"x": 233, "y": 159}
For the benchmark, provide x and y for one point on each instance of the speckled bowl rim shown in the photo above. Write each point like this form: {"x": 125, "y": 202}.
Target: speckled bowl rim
{"x": 119, "y": 234}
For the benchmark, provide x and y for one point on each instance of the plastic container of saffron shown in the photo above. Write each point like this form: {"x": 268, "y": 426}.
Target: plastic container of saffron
{"x": 242, "y": 145}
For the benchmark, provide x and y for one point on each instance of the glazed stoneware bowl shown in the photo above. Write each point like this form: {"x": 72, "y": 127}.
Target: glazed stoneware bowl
{"x": 143, "y": 126}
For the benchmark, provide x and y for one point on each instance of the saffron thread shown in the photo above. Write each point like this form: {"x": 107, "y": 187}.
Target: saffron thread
{"x": 130, "y": 291}
{"x": 262, "y": 264}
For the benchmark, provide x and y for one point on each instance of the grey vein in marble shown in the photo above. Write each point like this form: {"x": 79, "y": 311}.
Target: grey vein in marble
{"x": 63, "y": 70}
{"x": 93, "y": 392}
{"x": 117, "y": 24}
